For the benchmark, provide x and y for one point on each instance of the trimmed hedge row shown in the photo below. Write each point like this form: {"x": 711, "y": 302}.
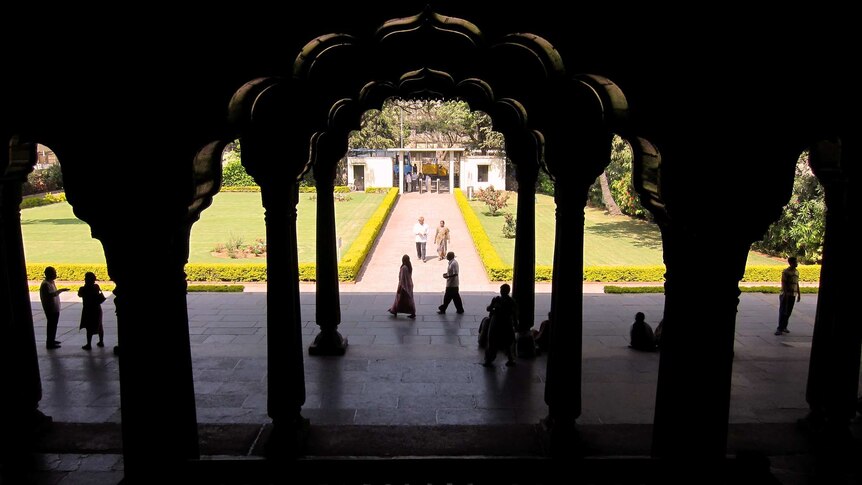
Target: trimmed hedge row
{"x": 303, "y": 189}
{"x": 67, "y": 272}
{"x": 808, "y": 273}
{"x": 745, "y": 289}
{"x": 494, "y": 266}
{"x": 191, "y": 288}
{"x": 239, "y": 188}
{"x": 352, "y": 260}
{"x": 46, "y": 199}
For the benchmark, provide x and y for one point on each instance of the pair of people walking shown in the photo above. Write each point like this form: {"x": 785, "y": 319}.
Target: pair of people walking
{"x": 441, "y": 239}
{"x": 404, "y": 302}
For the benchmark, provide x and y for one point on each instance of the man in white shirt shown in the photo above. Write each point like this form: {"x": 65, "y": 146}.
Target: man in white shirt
{"x": 50, "y": 296}
{"x": 420, "y": 230}
{"x": 452, "y": 282}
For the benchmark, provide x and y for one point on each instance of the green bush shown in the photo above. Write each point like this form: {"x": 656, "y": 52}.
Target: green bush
{"x": 45, "y": 180}
{"x": 234, "y": 175}
{"x": 341, "y": 189}
{"x": 377, "y": 190}
{"x": 46, "y": 199}
{"x": 307, "y": 189}
{"x": 352, "y": 260}
{"x": 800, "y": 229}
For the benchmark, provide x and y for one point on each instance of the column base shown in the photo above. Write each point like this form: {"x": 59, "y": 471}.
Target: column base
{"x": 525, "y": 345}
{"x": 564, "y": 440}
{"x": 328, "y": 342}
{"x": 287, "y": 438}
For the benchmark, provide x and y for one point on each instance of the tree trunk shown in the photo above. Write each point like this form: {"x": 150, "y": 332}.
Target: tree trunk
{"x": 608, "y": 198}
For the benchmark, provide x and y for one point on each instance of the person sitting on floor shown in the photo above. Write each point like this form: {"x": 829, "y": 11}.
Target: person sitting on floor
{"x": 642, "y": 337}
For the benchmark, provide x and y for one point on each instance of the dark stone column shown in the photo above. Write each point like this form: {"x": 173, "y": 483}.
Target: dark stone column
{"x": 524, "y": 153}
{"x": 833, "y": 374}
{"x": 156, "y": 385}
{"x": 328, "y": 304}
{"x": 285, "y": 367}
{"x": 563, "y": 387}
{"x": 20, "y": 382}
{"x": 695, "y": 367}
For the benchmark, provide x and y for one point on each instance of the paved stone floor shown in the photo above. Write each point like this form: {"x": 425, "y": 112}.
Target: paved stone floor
{"x": 399, "y": 371}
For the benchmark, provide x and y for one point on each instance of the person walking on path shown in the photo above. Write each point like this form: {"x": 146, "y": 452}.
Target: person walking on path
{"x": 441, "y": 239}
{"x": 91, "y": 313}
{"x": 420, "y": 230}
{"x": 501, "y": 331}
{"x": 50, "y": 296}
{"x": 408, "y": 182}
{"x": 451, "y": 294}
{"x": 789, "y": 291}
{"x": 404, "y": 294}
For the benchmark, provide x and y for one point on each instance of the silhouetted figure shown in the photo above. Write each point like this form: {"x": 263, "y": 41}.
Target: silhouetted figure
{"x": 501, "y": 330}
{"x": 91, "y": 313}
{"x": 642, "y": 337}
{"x": 441, "y": 239}
{"x": 404, "y": 294}
{"x": 452, "y": 282}
{"x": 50, "y": 296}
{"x": 789, "y": 291}
{"x": 658, "y": 331}
{"x": 420, "y": 230}
{"x": 542, "y": 337}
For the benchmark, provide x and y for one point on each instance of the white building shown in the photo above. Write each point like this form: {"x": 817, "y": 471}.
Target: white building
{"x": 481, "y": 172}
{"x": 447, "y": 167}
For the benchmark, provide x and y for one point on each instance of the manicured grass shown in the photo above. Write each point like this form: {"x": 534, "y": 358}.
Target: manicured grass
{"x": 53, "y": 233}
{"x": 608, "y": 240}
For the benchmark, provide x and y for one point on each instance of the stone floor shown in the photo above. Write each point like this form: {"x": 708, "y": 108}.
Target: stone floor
{"x": 423, "y": 372}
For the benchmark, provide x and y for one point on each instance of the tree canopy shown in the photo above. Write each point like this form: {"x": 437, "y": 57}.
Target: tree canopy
{"x": 426, "y": 123}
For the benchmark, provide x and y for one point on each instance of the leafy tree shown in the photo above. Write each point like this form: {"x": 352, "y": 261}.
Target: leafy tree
{"x": 618, "y": 189}
{"x": 378, "y": 129}
{"x": 233, "y": 173}
{"x": 509, "y": 226}
{"x": 443, "y": 124}
{"x": 800, "y": 229}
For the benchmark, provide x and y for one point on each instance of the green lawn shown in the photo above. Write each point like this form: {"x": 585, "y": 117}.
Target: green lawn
{"x": 52, "y": 234}
{"x": 608, "y": 240}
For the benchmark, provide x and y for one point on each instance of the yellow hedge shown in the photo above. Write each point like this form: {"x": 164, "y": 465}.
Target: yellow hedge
{"x": 352, "y": 260}
{"x": 67, "y": 271}
{"x": 807, "y": 274}
{"x": 494, "y": 266}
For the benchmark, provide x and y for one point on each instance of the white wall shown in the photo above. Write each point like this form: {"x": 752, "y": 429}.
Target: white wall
{"x": 470, "y": 173}
{"x": 378, "y": 170}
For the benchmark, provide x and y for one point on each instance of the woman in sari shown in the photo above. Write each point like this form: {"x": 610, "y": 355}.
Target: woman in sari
{"x": 441, "y": 239}
{"x": 404, "y": 295}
